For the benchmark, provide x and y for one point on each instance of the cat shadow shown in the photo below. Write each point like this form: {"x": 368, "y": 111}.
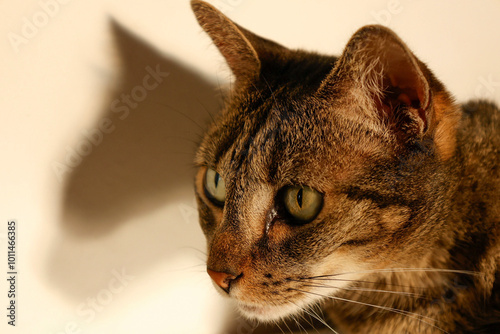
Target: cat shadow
{"x": 155, "y": 116}
{"x": 136, "y": 160}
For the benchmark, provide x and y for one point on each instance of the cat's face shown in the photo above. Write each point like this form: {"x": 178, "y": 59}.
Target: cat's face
{"x": 247, "y": 220}
{"x": 310, "y": 178}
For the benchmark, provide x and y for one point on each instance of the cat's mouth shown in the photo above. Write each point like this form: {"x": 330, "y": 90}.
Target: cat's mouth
{"x": 282, "y": 299}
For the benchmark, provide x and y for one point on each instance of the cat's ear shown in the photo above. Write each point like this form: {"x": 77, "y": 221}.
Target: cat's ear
{"x": 385, "y": 76}
{"x": 244, "y": 51}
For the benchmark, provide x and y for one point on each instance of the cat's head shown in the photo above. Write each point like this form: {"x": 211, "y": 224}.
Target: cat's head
{"x": 319, "y": 169}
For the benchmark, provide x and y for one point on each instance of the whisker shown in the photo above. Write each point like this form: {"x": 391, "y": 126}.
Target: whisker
{"x": 288, "y": 327}
{"x": 182, "y": 114}
{"x": 258, "y": 92}
{"x": 404, "y": 270}
{"x": 183, "y": 138}
{"x": 189, "y": 267}
{"x": 409, "y": 294}
{"x": 360, "y": 281}
{"x": 305, "y": 320}
{"x": 222, "y": 92}
{"x": 193, "y": 248}
{"x": 271, "y": 91}
{"x": 299, "y": 325}
{"x": 277, "y": 325}
{"x": 206, "y": 110}
{"x": 180, "y": 152}
{"x": 360, "y": 294}
{"x": 318, "y": 310}
{"x": 413, "y": 315}
{"x": 320, "y": 319}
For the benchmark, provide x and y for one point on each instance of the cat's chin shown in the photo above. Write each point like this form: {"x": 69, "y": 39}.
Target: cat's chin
{"x": 266, "y": 313}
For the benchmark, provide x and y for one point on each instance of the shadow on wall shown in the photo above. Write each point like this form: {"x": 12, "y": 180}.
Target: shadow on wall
{"x": 156, "y": 117}
{"x": 141, "y": 162}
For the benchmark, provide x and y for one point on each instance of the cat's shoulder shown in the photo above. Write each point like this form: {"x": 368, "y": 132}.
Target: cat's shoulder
{"x": 482, "y": 113}
{"x": 478, "y": 158}
{"x": 480, "y": 127}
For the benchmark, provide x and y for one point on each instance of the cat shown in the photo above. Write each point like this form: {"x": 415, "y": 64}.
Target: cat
{"x": 354, "y": 183}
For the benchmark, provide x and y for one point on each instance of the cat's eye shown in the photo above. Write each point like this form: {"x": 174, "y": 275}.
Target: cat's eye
{"x": 215, "y": 187}
{"x": 302, "y": 203}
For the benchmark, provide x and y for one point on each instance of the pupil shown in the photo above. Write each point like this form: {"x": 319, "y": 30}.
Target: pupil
{"x": 299, "y": 197}
{"x": 216, "y": 181}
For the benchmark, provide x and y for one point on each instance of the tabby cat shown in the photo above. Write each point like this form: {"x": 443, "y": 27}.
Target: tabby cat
{"x": 354, "y": 183}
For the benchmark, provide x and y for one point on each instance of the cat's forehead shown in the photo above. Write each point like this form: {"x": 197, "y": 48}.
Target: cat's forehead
{"x": 284, "y": 141}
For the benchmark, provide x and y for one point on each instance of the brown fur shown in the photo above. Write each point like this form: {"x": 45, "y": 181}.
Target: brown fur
{"x": 410, "y": 184}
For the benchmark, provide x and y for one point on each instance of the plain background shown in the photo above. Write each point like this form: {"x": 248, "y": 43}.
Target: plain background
{"x": 101, "y": 188}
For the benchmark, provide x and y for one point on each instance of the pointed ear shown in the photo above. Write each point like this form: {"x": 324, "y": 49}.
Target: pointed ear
{"x": 244, "y": 51}
{"x": 388, "y": 78}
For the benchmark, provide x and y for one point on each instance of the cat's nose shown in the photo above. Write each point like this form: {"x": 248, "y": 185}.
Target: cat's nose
{"x": 222, "y": 279}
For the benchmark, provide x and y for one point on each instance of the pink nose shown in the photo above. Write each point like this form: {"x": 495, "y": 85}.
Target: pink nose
{"x": 221, "y": 279}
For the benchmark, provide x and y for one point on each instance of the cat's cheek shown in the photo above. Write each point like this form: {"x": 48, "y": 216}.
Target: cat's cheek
{"x": 344, "y": 265}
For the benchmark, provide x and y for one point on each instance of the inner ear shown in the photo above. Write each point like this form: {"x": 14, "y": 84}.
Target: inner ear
{"x": 401, "y": 83}
{"x": 389, "y": 79}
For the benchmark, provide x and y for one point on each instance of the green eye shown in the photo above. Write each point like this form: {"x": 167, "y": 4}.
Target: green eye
{"x": 215, "y": 187}
{"x": 302, "y": 202}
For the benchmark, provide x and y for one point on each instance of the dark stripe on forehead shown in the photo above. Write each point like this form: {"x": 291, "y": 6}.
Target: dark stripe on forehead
{"x": 225, "y": 137}
{"x": 252, "y": 148}
{"x": 253, "y": 143}
{"x": 240, "y": 153}
{"x": 244, "y": 122}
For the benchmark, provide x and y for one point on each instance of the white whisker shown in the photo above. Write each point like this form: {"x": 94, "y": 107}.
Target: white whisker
{"x": 313, "y": 314}
{"x": 358, "y": 281}
{"x": 298, "y": 325}
{"x": 320, "y": 319}
{"x": 305, "y": 319}
{"x": 409, "y": 294}
{"x": 416, "y": 316}
{"x": 275, "y": 322}
{"x": 288, "y": 327}
{"x": 405, "y": 270}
